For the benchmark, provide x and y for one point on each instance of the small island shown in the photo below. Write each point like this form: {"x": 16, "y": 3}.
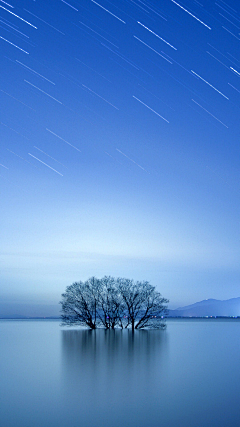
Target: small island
{"x": 113, "y": 303}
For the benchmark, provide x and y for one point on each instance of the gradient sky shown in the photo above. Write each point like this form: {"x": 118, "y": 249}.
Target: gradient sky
{"x": 119, "y": 146}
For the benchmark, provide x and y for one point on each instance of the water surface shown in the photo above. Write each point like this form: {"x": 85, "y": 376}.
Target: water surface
{"x": 185, "y": 376}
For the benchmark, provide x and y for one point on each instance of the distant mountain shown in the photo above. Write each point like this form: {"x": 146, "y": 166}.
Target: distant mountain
{"x": 209, "y": 307}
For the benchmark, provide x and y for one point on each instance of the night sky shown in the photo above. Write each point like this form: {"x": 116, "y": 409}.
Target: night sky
{"x": 119, "y": 150}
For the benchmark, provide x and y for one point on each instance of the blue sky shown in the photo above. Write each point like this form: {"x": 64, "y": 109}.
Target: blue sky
{"x": 119, "y": 146}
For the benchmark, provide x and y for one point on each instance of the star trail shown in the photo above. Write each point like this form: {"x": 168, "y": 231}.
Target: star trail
{"x": 114, "y": 116}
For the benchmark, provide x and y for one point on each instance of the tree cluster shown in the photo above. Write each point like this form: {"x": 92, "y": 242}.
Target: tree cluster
{"x": 113, "y": 303}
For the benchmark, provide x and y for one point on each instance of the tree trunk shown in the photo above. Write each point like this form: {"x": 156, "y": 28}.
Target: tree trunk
{"x": 132, "y": 325}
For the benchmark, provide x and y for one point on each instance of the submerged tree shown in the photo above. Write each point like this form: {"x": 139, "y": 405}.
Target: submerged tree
{"x": 144, "y": 305}
{"x": 112, "y": 303}
{"x": 80, "y": 302}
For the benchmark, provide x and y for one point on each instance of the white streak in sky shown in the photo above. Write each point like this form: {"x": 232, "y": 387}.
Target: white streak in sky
{"x": 23, "y": 159}
{"x": 13, "y": 130}
{"x": 6, "y": 20}
{"x": 34, "y": 71}
{"x": 176, "y": 63}
{"x": 4, "y": 166}
{"x": 209, "y": 85}
{"x": 210, "y": 113}
{"x": 217, "y": 59}
{"x": 44, "y": 22}
{"x": 43, "y": 92}
{"x": 131, "y": 160}
{"x": 154, "y": 11}
{"x": 226, "y": 11}
{"x": 108, "y": 11}
{"x": 19, "y": 17}
{"x": 50, "y": 156}
{"x": 156, "y": 97}
{"x": 63, "y": 140}
{"x": 152, "y": 49}
{"x": 234, "y": 87}
{"x": 156, "y": 35}
{"x": 100, "y": 97}
{"x": 120, "y": 56}
{"x": 225, "y": 4}
{"x": 112, "y": 157}
{"x": 235, "y": 71}
{"x": 229, "y": 21}
{"x": 70, "y": 5}
{"x": 9, "y": 5}
{"x": 218, "y": 51}
{"x": 98, "y": 34}
{"x": 205, "y": 25}
{"x": 140, "y": 7}
{"x": 93, "y": 70}
{"x": 45, "y": 164}
{"x": 10, "y": 26}
{"x": 200, "y": 4}
{"x": 231, "y": 33}
{"x": 17, "y": 100}
{"x": 233, "y": 57}
{"x": 150, "y": 109}
{"x": 14, "y": 45}
{"x": 120, "y": 65}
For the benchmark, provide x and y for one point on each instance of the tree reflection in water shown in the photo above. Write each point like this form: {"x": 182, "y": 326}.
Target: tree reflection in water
{"x": 111, "y": 374}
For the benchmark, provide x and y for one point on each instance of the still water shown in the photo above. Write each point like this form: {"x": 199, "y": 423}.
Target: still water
{"x": 185, "y": 376}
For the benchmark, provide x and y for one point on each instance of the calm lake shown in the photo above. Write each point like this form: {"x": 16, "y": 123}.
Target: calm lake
{"x": 185, "y": 376}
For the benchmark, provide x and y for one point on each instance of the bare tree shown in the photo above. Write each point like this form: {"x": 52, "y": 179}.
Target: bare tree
{"x": 111, "y": 303}
{"x": 144, "y": 305}
{"x": 80, "y": 302}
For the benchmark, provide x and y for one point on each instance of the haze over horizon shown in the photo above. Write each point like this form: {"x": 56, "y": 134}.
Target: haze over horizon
{"x": 119, "y": 150}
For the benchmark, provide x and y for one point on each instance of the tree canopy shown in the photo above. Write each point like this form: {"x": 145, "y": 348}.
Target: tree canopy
{"x": 113, "y": 303}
